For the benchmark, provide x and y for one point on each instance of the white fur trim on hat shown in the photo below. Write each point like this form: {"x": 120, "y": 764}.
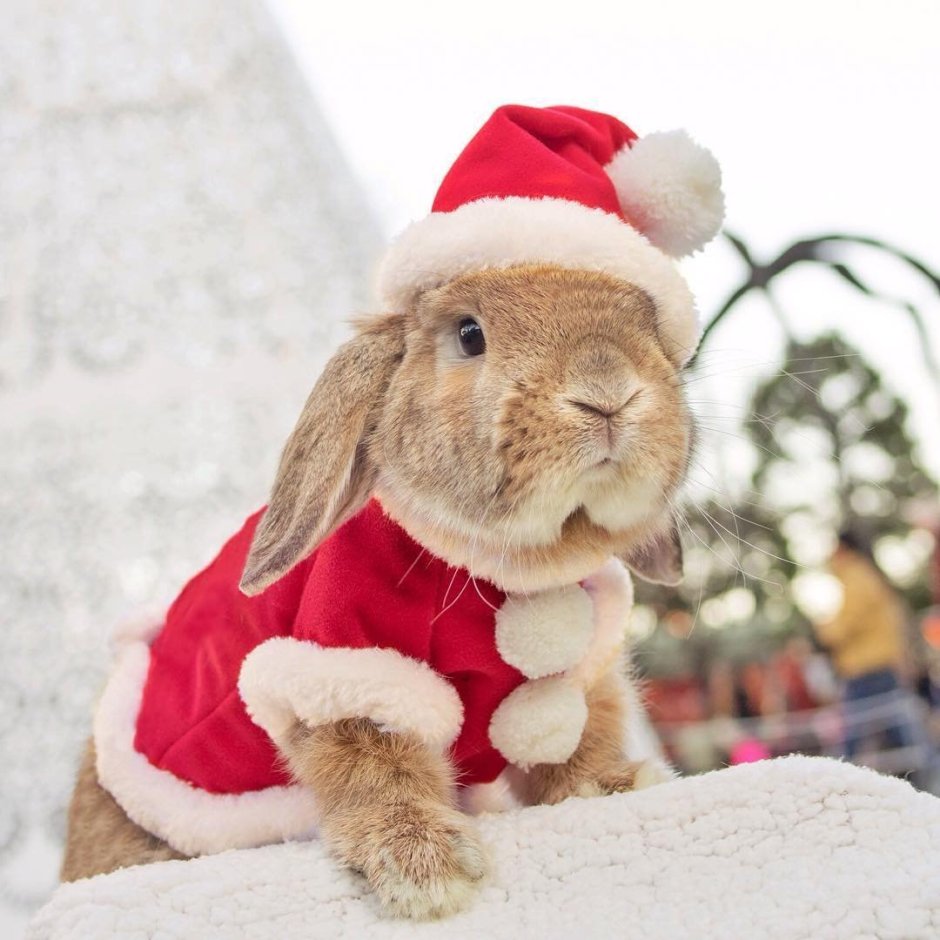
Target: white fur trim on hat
{"x": 192, "y": 821}
{"x": 670, "y": 188}
{"x": 545, "y": 632}
{"x": 285, "y": 680}
{"x": 540, "y": 722}
{"x": 499, "y": 233}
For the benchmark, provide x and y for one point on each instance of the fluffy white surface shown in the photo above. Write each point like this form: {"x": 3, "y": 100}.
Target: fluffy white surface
{"x": 540, "y": 722}
{"x": 545, "y": 632}
{"x": 499, "y": 233}
{"x": 670, "y": 188}
{"x": 284, "y": 679}
{"x": 782, "y": 850}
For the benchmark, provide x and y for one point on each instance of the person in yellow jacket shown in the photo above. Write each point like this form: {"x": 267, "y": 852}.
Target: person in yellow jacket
{"x": 866, "y": 641}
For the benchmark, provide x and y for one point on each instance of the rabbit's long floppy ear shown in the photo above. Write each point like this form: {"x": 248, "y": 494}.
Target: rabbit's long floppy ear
{"x": 659, "y": 558}
{"x": 325, "y": 475}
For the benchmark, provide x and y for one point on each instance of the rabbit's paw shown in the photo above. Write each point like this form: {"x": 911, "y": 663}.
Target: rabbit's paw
{"x": 632, "y": 775}
{"x": 428, "y": 863}
{"x": 620, "y": 778}
{"x": 617, "y": 779}
{"x": 651, "y": 771}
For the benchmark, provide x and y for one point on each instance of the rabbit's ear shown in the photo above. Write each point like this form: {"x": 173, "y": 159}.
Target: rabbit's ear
{"x": 659, "y": 558}
{"x": 325, "y": 475}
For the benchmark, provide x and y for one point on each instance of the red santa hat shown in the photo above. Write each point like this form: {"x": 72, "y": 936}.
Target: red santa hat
{"x": 572, "y": 187}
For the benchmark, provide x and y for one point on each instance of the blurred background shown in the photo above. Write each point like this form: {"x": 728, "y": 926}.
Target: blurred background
{"x": 192, "y": 197}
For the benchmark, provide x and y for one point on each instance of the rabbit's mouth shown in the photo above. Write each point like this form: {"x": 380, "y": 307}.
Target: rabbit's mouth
{"x": 622, "y": 505}
{"x": 540, "y": 549}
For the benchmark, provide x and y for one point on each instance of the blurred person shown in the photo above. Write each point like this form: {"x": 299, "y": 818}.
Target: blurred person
{"x": 865, "y": 641}
{"x": 795, "y": 673}
{"x": 819, "y": 673}
{"x": 800, "y": 678}
{"x": 721, "y": 689}
{"x": 935, "y": 564}
{"x": 792, "y": 699}
{"x": 925, "y": 679}
{"x": 750, "y": 690}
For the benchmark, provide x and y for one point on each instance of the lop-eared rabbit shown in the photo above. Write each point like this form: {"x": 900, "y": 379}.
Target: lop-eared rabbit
{"x": 428, "y": 618}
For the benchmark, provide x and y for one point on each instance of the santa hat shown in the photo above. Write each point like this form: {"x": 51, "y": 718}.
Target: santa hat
{"x": 571, "y": 187}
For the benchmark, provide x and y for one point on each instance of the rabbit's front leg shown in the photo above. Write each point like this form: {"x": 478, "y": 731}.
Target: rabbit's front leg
{"x": 598, "y": 765}
{"x": 387, "y": 809}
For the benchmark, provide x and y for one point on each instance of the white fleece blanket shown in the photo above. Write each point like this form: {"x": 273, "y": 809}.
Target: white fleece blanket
{"x": 796, "y": 848}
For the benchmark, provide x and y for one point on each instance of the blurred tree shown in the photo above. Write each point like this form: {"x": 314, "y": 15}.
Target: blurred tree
{"x": 832, "y": 253}
{"x": 831, "y": 450}
{"x": 833, "y": 446}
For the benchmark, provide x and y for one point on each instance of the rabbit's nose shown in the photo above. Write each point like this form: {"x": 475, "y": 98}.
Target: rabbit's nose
{"x": 600, "y": 381}
{"x": 604, "y": 408}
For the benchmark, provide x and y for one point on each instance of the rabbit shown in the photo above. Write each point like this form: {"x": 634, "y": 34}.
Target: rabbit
{"x": 427, "y": 620}
{"x": 526, "y": 425}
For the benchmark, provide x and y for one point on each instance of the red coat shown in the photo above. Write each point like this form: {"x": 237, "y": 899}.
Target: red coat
{"x": 369, "y": 625}
{"x": 368, "y": 585}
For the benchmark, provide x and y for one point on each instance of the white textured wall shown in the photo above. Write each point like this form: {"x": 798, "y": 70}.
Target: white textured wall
{"x": 179, "y": 243}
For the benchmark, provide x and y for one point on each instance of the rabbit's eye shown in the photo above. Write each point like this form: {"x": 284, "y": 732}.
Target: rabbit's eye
{"x": 470, "y": 334}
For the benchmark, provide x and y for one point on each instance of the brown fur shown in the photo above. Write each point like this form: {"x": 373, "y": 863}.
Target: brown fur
{"x": 387, "y": 806}
{"x": 100, "y": 836}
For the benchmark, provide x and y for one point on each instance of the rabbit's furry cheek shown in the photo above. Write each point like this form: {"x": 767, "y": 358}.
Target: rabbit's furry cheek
{"x": 567, "y": 436}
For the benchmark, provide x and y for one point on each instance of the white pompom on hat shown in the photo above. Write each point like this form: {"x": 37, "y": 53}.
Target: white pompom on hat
{"x": 670, "y": 188}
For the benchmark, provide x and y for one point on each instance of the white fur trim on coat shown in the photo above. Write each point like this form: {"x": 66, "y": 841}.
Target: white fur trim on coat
{"x": 499, "y": 233}
{"x": 142, "y": 627}
{"x": 545, "y": 632}
{"x": 670, "y": 188}
{"x": 190, "y": 820}
{"x": 540, "y": 722}
{"x": 285, "y": 680}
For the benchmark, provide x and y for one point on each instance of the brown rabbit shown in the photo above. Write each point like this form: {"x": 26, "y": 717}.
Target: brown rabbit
{"x": 489, "y": 455}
